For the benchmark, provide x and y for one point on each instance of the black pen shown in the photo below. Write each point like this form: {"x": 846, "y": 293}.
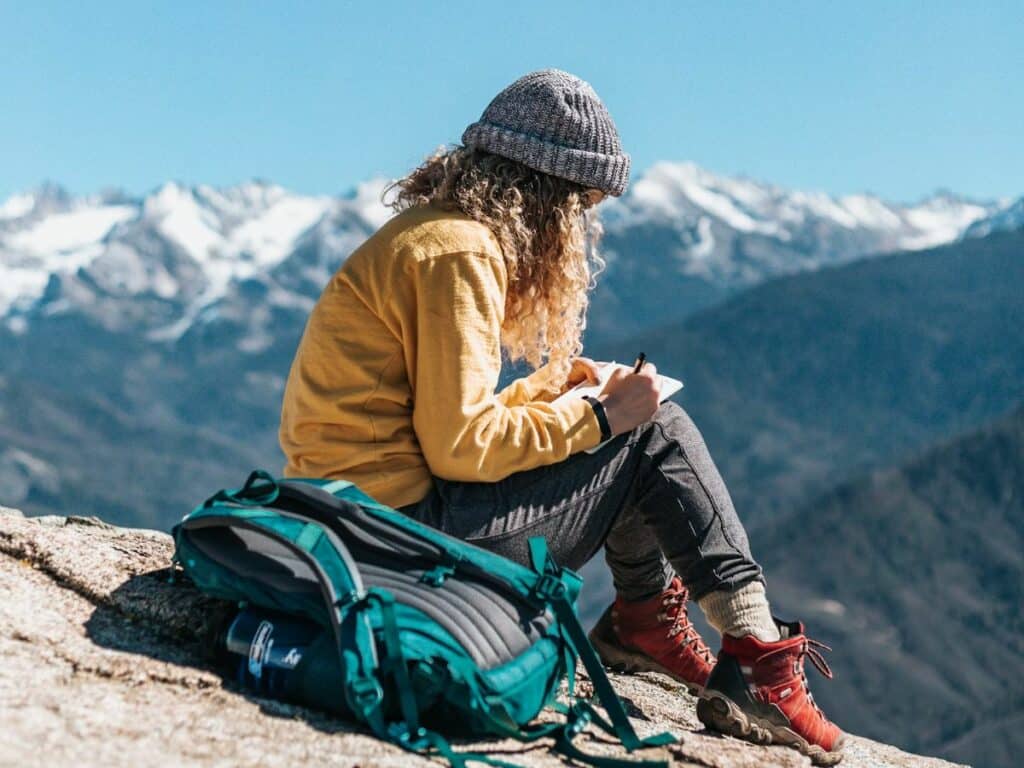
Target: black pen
{"x": 640, "y": 359}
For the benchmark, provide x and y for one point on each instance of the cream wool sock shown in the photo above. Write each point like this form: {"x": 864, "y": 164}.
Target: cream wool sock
{"x": 744, "y": 611}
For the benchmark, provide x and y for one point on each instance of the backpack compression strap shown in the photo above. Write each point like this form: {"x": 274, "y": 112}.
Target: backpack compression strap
{"x": 364, "y": 694}
{"x": 406, "y": 733}
{"x": 551, "y": 587}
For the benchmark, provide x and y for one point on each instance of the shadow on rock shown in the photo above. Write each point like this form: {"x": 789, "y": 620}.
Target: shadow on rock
{"x": 174, "y": 623}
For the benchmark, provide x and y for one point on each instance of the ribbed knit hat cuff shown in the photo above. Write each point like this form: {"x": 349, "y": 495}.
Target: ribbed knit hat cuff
{"x": 609, "y": 173}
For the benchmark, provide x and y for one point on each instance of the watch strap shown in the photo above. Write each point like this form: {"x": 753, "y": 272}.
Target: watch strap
{"x": 602, "y": 417}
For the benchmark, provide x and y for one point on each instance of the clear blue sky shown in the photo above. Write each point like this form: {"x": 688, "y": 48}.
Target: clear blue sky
{"x": 894, "y": 98}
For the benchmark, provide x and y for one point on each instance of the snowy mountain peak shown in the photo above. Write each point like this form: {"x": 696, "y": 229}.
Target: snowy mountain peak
{"x": 44, "y": 199}
{"x": 189, "y": 247}
{"x": 365, "y": 199}
{"x": 685, "y": 190}
{"x": 1009, "y": 218}
{"x": 17, "y": 206}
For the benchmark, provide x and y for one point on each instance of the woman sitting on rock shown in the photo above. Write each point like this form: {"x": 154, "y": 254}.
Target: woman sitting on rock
{"x": 393, "y": 388}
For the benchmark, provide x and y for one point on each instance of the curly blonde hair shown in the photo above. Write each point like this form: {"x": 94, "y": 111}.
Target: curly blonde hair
{"x": 548, "y": 237}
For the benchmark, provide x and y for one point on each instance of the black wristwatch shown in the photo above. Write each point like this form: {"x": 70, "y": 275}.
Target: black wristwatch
{"x": 602, "y": 417}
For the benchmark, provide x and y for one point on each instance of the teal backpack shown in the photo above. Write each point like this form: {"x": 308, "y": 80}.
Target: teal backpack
{"x": 413, "y": 632}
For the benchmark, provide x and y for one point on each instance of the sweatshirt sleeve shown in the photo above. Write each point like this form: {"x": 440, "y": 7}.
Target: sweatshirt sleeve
{"x": 466, "y": 432}
{"x": 536, "y": 386}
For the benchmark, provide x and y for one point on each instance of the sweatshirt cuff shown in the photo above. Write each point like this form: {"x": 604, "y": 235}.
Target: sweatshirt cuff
{"x": 582, "y": 429}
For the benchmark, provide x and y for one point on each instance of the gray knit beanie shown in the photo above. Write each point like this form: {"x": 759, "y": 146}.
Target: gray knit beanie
{"x": 555, "y": 123}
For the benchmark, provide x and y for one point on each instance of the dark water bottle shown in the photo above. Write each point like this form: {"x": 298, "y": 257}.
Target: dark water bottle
{"x": 265, "y": 647}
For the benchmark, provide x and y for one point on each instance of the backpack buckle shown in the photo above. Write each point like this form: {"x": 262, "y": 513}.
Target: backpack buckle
{"x": 549, "y": 587}
{"x": 365, "y": 694}
{"x": 435, "y": 576}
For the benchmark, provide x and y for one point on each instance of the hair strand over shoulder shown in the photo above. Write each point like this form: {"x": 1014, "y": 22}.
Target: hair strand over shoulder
{"x": 548, "y": 238}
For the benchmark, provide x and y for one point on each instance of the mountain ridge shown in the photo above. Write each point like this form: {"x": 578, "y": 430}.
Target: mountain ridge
{"x": 806, "y": 376}
{"x": 185, "y": 249}
{"x": 920, "y": 593}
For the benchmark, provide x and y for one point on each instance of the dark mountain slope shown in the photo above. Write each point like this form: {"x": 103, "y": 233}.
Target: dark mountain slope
{"x": 804, "y": 381}
{"x": 111, "y": 427}
{"x": 915, "y": 576}
{"x": 796, "y": 384}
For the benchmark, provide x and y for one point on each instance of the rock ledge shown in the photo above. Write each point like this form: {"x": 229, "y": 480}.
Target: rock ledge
{"x": 103, "y": 664}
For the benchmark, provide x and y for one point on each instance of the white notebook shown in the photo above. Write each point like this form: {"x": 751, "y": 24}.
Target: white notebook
{"x": 669, "y": 387}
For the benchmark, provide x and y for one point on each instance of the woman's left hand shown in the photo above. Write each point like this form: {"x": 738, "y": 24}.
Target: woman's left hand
{"x": 583, "y": 369}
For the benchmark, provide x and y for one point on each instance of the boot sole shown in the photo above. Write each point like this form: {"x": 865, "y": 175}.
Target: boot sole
{"x": 619, "y": 659}
{"x": 719, "y": 713}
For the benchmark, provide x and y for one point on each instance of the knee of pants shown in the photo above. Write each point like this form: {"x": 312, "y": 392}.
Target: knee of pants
{"x": 671, "y": 425}
{"x": 673, "y": 418}
{"x": 667, "y": 410}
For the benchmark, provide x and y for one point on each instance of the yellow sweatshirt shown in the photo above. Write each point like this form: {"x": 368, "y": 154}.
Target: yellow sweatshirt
{"x": 395, "y": 376}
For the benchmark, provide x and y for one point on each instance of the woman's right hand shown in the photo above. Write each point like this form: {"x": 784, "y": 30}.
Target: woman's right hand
{"x": 630, "y": 399}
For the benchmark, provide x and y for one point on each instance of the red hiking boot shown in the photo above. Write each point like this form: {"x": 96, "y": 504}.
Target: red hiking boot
{"x": 654, "y": 635}
{"x": 758, "y": 692}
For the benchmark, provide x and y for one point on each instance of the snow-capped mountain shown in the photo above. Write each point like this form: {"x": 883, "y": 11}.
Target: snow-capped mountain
{"x": 678, "y": 190}
{"x": 186, "y": 255}
{"x": 736, "y": 230}
{"x": 176, "y": 251}
{"x": 1008, "y": 217}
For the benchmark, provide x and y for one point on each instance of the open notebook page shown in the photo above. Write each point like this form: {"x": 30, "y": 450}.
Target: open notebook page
{"x": 668, "y": 387}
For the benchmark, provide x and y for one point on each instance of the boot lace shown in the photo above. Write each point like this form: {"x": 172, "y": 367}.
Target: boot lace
{"x": 681, "y": 624}
{"x": 809, "y": 649}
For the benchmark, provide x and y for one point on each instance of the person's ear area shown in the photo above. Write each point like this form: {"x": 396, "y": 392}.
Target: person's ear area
{"x": 593, "y": 196}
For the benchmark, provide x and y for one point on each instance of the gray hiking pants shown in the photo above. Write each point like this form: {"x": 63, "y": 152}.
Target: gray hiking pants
{"x": 652, "y": 497}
